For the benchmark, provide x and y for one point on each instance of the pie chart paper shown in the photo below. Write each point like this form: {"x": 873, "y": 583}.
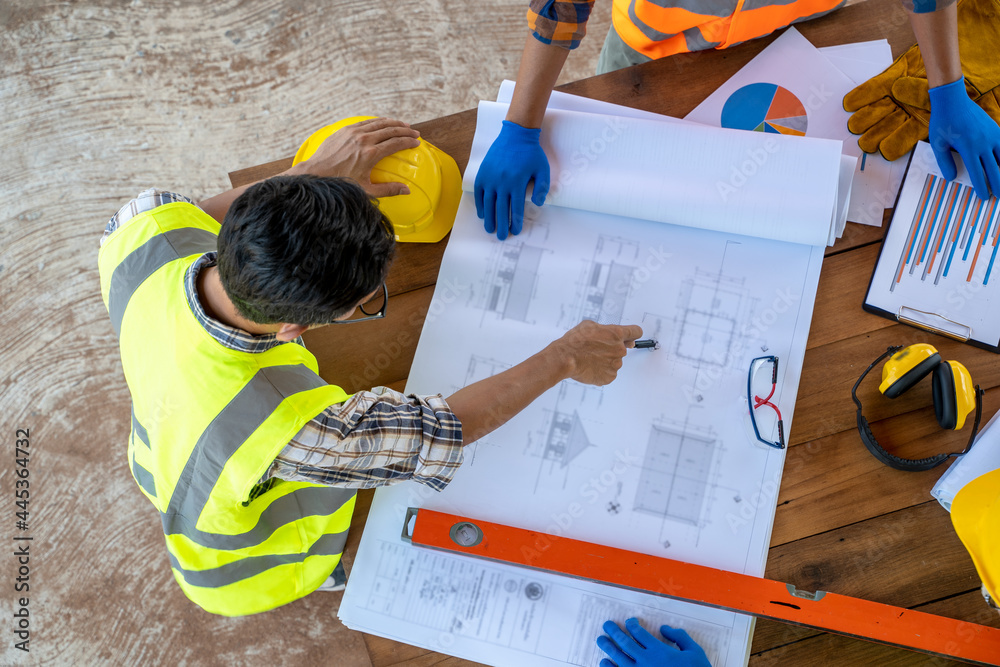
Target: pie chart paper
{"x": 765, "y": 107}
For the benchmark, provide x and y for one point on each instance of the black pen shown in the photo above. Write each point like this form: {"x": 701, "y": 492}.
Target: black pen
{"x": 647, "y": 343}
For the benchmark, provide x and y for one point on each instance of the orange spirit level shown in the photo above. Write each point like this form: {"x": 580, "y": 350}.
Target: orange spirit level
{"x": 829, "y": 612}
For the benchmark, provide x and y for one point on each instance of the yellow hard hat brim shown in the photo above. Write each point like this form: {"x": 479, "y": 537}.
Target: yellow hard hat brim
{"x": 975, "y": 514}
{"x": 451, "y": 195}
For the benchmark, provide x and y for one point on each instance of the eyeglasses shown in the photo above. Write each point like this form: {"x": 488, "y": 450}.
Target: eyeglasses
{"x": 765, "y": 415}
{"x": 373, "y": 309}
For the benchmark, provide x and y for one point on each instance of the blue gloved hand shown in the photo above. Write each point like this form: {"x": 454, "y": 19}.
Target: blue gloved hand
{"x": 515, "y": 158}
{"x": 642, "y": 649}
{"x": 958, "y": 123}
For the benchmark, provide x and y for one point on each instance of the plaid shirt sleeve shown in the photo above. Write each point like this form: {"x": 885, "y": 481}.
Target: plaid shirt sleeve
{"x": 561, "y": 23}
{"x": 146, "y": 200}
{"x": 375, "y": 438}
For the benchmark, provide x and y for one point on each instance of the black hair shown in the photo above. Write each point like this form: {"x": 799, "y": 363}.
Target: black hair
{"x": 303, "y": 249}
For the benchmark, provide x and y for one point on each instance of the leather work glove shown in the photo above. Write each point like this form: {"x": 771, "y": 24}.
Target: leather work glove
{"x": 891, "y": 111}
{"x": 642, "y": 649}
{"x": 514, "y": 159}
{"x": 886, "y": 124}
{"x": 957, "y": 123}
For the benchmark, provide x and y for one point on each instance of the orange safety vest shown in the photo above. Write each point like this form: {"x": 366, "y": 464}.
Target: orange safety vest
{"x": 660, "y": 28}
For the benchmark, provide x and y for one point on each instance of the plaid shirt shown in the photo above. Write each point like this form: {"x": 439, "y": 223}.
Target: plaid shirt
{"x": 561, "y": 23}
{"x": 372, "y": 439}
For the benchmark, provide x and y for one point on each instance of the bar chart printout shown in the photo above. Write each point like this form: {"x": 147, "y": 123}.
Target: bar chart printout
{"x": 937, "y": 269}
{"x": 953, "y": 236}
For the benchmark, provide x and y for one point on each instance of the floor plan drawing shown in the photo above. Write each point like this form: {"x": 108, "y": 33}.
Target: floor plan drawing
{"x": 507, "y": 287}
{"x": 674, "y": 479}
{"x": 606, "y": 280}
{"x": 711, "y": 313}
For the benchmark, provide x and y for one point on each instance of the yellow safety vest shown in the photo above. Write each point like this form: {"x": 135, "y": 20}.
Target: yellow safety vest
{"x": 208, "y": 421}
{"x": 660, "y": 28}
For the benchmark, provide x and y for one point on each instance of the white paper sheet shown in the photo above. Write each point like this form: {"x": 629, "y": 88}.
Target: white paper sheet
{"x": 661, "y": 461}
{"x": 860, "y": 61}
{"x": 771, "y": 186}
{"x": 568, "y": 102}
{"x": 848, "y": 166}
{"x": 937, "y": 261}
{"x": 984, "y": 457}
{"x": 795, "y": 65}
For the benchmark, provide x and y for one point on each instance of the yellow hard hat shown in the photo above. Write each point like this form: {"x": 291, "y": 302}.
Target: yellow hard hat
{"x": 425, "y": 215}
{"x": 975, "y": 514}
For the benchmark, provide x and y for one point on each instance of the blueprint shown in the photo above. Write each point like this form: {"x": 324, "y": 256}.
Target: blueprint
{"x": 661, "y": 461}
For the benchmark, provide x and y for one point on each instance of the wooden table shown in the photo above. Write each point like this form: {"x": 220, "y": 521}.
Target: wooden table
{"x": 845, "y": 523}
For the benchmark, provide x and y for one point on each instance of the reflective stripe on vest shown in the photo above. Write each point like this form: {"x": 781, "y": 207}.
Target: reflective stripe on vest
{"x": 241, "y": 417}
{"x": 142, "y": 477}
{"x": 198, "y": 456}
{"x": 660, "y": 28}
{"x": 146, "y": 260}
{"x": 327, "y": 545}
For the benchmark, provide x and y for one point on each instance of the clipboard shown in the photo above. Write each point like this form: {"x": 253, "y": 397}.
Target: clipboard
{"x": 938, "y": 267}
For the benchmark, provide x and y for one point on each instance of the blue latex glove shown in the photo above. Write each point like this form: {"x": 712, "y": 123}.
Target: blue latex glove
{"x": 642, "y": 649}
{"x": 958, "y": 123}
{"x": 515, "y": 158}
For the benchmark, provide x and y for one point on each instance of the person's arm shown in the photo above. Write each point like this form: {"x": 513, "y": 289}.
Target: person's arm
{"x": 540, "y": 67}
{"x": 937, "y": 35}
{"x": 375, "y": 438}
{"x": 348, "y": 153}
{"x": 516, "y": 159}
{"x": 380, "y": 437}
{"x": 956, "y": 123}
{"x": 590, "y": 353}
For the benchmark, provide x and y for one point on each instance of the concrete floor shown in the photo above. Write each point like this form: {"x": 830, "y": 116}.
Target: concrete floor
{"x": 102, "y": 99}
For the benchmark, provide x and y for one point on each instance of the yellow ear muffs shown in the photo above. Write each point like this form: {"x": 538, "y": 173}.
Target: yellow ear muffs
{"x": 954, "y": 394}
{"x": 908, "y": 367}
{"x": 945, "y": 403}
{"x": 954, "y": 398}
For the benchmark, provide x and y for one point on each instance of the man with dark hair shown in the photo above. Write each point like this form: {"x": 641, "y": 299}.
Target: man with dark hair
{"x": 303, "y": 249}
{"x": 251, "y": 459}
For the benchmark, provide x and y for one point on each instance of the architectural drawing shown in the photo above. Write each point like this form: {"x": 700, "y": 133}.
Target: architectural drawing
{"x": 674, "y": 479}
{"x": 561, "y": 437}
{"x": 606, "y": 280}
{"x": 508, "y": 284}
{"x": 566, "y": 439}
{"x": 652, "y": 462}
{"x": 711, "y": 311}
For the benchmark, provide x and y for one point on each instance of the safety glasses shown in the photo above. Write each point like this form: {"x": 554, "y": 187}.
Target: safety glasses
{"x": 765, "y": 416}
{"x": 373, "y": 309}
